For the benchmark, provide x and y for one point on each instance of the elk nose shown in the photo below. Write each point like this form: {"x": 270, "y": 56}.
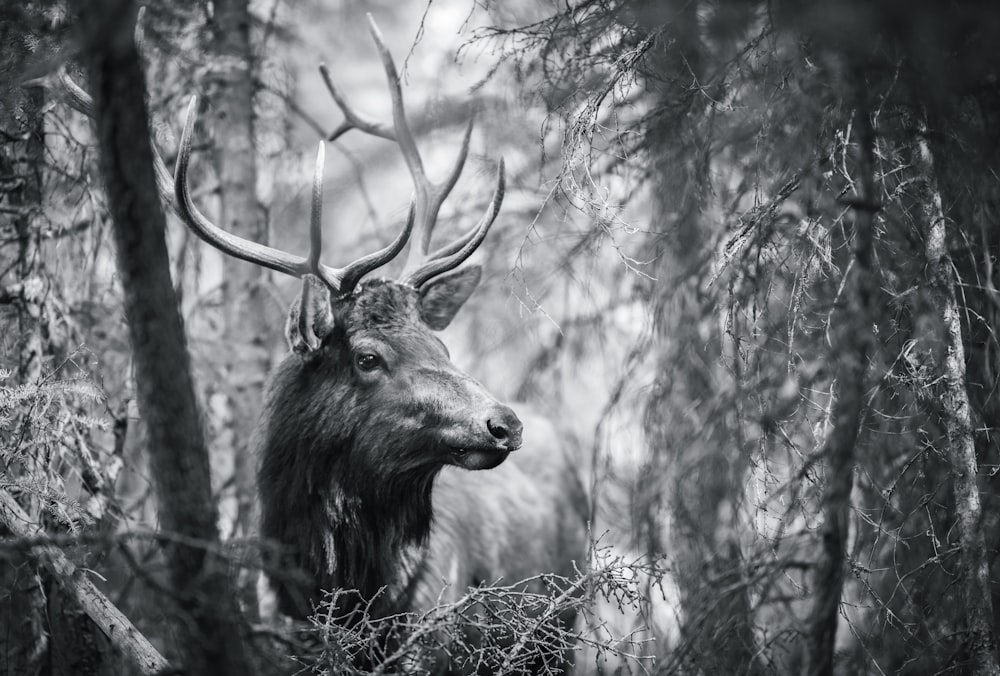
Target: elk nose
{"x": 505, "y": 427}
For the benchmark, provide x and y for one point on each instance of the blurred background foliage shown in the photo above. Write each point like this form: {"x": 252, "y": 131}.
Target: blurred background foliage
{"x": 666, "y": 282}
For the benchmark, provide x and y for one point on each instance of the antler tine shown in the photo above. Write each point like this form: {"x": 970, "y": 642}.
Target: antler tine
{"x": 340, "y": 280}
{"x": 353, "y": 119}
{"x": 452, "y": 259}
{"x": 343, "y": 280}
{"x": 353, "y": 273}
{"x": 316, "y": 213}
{"x": 455, "y": 245}
{"x": 403, "y": 135}
{"x": 429, "y": 197}
{"x": 238, "y": 247}
{"x": 443, "y": 190}
{"x": 316, "y": 224}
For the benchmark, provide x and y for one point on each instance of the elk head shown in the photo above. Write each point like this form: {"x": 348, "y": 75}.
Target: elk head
{"x": 368, "y": 408}
{"x": 377, "y": 334}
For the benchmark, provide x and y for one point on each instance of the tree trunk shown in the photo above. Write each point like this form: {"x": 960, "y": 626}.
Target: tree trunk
{"x": 211, "y": 635}
{"x": 851, "y": 342}
{"x": 952, "y": 401}
{"x": 247, "y": 334}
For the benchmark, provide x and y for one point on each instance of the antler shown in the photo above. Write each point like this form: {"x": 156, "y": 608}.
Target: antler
{"x": 176, "y": 196}
{"x": 341, "y": 280}
{"x": 420, "y": 267}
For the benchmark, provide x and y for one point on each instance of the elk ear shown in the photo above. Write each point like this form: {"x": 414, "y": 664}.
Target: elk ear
{"x": 310, "y": 318}
{"x": 442, "y": 296}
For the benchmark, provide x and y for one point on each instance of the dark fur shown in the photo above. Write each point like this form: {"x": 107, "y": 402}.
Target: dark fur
{"x": 331, "y": 504}
{"x": 349, "y": 475}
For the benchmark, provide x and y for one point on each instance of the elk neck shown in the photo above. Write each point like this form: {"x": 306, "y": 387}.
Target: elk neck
{"x": 338, "y": 492}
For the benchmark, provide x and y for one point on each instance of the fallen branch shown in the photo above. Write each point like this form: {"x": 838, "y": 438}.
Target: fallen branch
{"x": 110, "y": 620}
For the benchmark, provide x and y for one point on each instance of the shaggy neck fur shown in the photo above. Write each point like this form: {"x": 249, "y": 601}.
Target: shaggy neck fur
{"x": 344, "y": 516}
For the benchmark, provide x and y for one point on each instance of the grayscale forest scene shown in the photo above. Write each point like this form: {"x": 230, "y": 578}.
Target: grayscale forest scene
{"x": 595, "y": 337}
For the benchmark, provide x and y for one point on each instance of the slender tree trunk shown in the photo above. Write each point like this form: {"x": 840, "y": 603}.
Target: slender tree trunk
{"x": 247, "y": 333}
{"x": 211, "y": 636}
{"x": 851, "y": 343}
{"x": 949, "y": 393}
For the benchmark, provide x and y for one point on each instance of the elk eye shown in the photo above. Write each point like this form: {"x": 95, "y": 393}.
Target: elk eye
{"x": 366, "y": 361}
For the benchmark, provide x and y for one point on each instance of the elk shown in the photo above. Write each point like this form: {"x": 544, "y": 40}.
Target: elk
{"x": 368, "y": 429}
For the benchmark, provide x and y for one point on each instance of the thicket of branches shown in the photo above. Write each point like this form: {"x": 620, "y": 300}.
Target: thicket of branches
{"x": 819, "y": 280}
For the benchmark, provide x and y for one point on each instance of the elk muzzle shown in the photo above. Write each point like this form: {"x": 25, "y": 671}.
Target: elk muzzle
{"x": 498, "y": 433}
{"x": 505, "y": 427}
